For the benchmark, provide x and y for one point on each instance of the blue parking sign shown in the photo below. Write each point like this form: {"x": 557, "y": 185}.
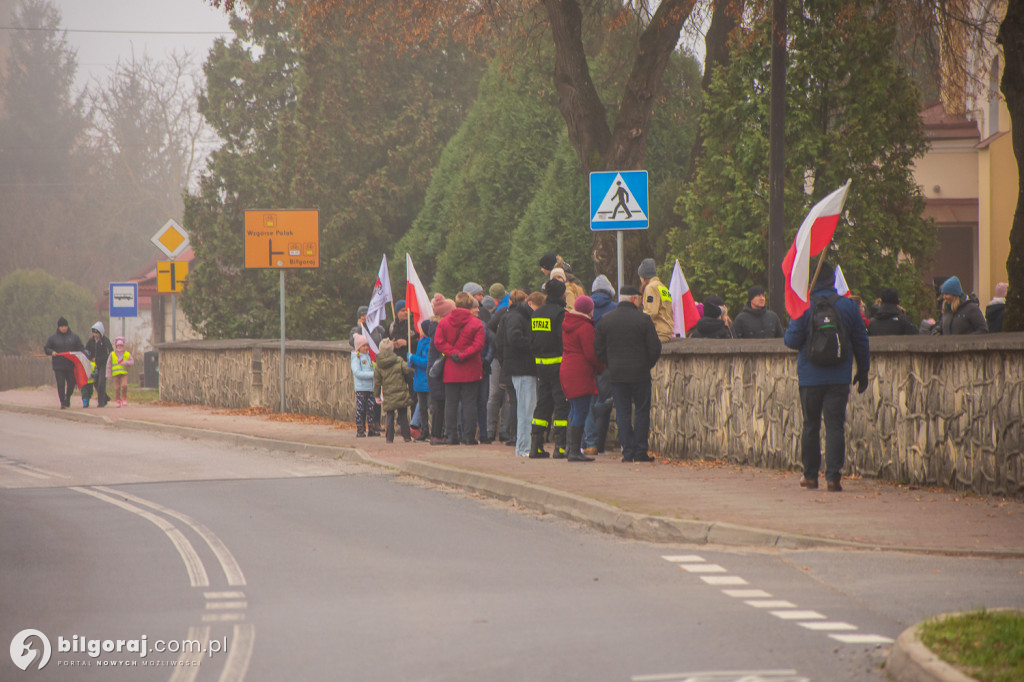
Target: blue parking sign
{"x": 618, "y": 200}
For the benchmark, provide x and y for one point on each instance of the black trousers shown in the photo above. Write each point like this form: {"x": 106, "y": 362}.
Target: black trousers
{"x": 65, "y": 385}
{"x": 552, "y": 407}
{"x": 466, "y": 393}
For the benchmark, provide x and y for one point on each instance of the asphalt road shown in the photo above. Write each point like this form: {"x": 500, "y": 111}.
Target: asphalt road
{"x": 306, "y": 568}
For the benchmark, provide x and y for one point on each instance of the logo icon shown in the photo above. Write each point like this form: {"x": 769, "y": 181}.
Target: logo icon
{"x": 23, "y": 654}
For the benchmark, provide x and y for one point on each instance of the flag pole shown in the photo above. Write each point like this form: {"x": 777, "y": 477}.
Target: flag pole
{"x": 821, "y": 260}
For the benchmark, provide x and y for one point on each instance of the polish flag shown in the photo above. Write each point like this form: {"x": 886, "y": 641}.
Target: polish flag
{"x": 841, "y": 287}
{"x": 814, "y": 235}
{"x": 416, "y": 299}
{"x": 83, "y": 366}
{"x": 684, "y": 310}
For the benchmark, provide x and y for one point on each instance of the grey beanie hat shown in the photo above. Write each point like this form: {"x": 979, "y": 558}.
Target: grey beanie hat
{"x": 473, "y": 289}
{"x": 363, "y": 309}
{"x": 601, "y": 283}
{"x": 489, "y": 303}
{"x": 647, "y": 269}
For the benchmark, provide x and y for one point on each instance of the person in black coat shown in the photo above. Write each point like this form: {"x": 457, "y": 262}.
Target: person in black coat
{"x": 99, "y": 349}
{"x": 627, "y": 342}
{"x": 755, "y": 321}
{"x": 889, "y": 319}
{"x": 63, "y": 341}
{"x": 517, "y": 361}
{"x": 711, "y": 326}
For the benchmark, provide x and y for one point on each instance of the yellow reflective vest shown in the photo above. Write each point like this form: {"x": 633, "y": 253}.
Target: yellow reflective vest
{"x": 117, "y": 366}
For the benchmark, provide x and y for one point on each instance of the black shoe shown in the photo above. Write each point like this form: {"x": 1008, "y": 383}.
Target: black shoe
{"x": 809, "y": 483}
{"x": 642, "y": 458}
{"x": 438, "y": 441}
{"x": 541, "y": 454}
{"x": 472, "y": 442}
{"x": 360, "y": 435}
{"x": 580, "y": 458}
{"x": 835, "y": 486}
{"x": 627, "y": 458}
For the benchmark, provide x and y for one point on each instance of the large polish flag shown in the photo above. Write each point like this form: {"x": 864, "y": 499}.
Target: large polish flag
{"x": 684, "y": 310}
{"x": 814, "y": 235}
{"x": 83, "y": 366}
{"x": 416, "y": 299}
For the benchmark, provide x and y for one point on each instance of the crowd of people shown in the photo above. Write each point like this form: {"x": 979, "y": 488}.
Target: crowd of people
{"x": 532, "y": 368}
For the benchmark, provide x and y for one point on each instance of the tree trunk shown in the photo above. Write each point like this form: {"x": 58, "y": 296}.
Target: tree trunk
{"x": 1011, "y": 37}
{"x": 597, "y": 147}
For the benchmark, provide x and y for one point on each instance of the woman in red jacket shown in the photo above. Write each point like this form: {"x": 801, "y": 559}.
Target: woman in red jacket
{"x": 579, "y": 371}
{"x": 460, "y": 337}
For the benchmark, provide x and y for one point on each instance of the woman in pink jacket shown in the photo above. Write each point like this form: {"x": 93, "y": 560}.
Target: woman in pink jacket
{"x": 460, "y": 337}
{"x": 579, "y": 370}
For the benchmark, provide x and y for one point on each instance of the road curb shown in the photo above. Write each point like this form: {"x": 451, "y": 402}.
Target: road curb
{"x": 911, "y": 661}
{"x": 609, "y": 519}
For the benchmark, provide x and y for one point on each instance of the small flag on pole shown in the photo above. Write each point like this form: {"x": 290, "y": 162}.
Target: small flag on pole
{"x": 841, "y": 287}
{"x": 416, "y": 299}
{"x": 380, "y": 298}
{"x": 684, "y": 309}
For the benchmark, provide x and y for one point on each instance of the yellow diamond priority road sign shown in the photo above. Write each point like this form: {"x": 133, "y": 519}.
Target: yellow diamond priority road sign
{"x": 171, "y": 239}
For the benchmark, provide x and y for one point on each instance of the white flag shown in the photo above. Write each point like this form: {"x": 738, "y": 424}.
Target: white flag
{"x": 380, "y": 298}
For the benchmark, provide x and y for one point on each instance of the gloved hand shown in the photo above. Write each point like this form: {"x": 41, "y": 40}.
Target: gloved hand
{"x": 455, "y": 357}
{"x": 861, "y": 379}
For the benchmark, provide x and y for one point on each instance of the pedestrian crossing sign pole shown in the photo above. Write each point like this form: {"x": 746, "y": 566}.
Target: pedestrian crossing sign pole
{"x": 619, "y": 201}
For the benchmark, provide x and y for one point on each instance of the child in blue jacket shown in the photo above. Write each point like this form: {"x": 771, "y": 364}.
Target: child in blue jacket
{"x": 418, "y": 361}
{"x": 362, "y": 377}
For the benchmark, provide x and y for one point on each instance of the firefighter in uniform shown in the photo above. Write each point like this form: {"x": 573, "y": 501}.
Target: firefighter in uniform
{"x": 546, "y": 345}
{"x": 657, "y": 300}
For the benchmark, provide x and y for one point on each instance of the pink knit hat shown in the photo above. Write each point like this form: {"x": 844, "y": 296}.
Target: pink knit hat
{"x": 119, "y": 341}
{"x": 442, "y": 306}
{"x": 583, "y": 304}
{"x": 358, "y": 341}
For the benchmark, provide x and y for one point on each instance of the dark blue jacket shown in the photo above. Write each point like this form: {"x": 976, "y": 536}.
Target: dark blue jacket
{"x": 817, "y": 375}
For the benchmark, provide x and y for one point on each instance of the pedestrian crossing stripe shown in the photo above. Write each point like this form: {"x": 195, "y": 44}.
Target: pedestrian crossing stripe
{"x": 619, "y": 200}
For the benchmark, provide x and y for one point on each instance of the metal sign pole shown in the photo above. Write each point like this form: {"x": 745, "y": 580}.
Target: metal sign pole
{"x": 174, "y": 318}
{"x": 618, "y": 257}
{"x": 282, "y": 343}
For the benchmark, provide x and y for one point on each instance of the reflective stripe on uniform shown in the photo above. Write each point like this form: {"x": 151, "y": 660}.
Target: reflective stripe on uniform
{"x": 549, "y": 361}
{"x": 541, "y": 422}
{"x": 563, "y": 423}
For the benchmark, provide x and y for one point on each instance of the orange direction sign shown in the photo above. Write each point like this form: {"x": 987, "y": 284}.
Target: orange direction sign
{"x": 171, "y": 277}
{"x": 282, "y": 239}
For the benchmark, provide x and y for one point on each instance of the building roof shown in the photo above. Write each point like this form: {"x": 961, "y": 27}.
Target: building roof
{"x": 939, "y": 125}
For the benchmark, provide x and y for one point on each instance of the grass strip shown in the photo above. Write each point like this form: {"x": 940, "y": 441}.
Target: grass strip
{"x": 986, "y": 645}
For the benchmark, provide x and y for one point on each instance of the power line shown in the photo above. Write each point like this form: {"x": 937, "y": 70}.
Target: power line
{"x": 103, "y": 30}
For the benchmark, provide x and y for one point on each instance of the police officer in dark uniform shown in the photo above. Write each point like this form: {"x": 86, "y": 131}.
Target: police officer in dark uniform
{"x": 546, "y": 344}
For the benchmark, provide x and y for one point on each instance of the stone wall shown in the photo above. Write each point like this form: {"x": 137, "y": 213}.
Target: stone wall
{"x": 938, "y": 411}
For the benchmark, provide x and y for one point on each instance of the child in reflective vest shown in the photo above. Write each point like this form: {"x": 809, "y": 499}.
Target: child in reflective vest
{"x": 120, "y": 361}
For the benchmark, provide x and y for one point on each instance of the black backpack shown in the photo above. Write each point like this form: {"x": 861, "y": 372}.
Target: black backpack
{"x": 828, "y": 343}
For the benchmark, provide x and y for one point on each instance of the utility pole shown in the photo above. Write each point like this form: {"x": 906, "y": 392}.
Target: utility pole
{"x": 777, "y": 161}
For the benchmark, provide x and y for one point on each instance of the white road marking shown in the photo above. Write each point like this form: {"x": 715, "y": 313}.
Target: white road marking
{"x": 242, "y": 641}
{"x": 861, "y": 639}
{"x": 723, "y": 580}
{"x": 223, "y": 617}
{"x": 747, "y": 594}
{"x": 23, "y": 470}
{"x": 224, "y": 595}
{"x": 770, "y": 604}
{"x": 827, "y": 625}
{"x": 193, "y": 564}
{"x": 188, "y": 672}
{"x": 226, "y": 605}
{"x": 724, "y": 676}
{"x": 798, "y": 615}
{"x": 683, "y": 558}
{"x": 703, "y": 568}
{"x": 232, "y": 571}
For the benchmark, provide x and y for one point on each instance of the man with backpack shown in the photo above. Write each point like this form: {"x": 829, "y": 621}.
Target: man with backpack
{"x": 830, "y": 335}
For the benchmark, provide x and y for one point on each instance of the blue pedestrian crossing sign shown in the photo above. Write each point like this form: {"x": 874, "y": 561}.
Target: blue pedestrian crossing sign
{"x": 618, "y": 200}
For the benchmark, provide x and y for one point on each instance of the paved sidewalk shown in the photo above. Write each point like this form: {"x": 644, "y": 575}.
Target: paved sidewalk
{"x": 666, "y": 501}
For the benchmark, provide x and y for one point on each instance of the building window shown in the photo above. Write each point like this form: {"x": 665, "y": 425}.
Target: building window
{"x": 993, "y": 97}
